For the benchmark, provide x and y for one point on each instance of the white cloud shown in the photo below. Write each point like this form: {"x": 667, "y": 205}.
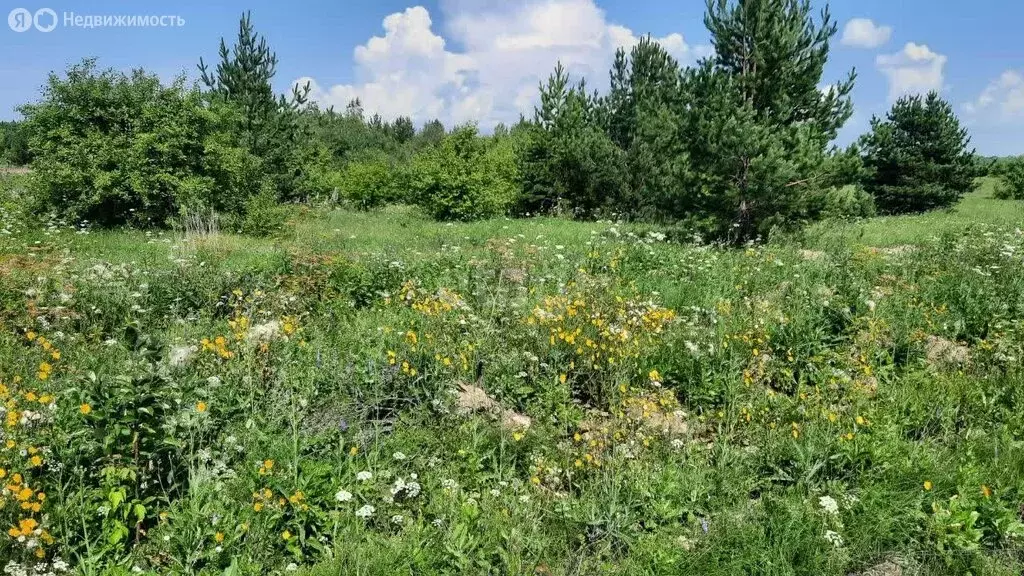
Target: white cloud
{"x": 864, "y": 33}
{"x": 507, "y": 49}
{"x": 913, "y": 70}
{"x": 1002, "y": 99}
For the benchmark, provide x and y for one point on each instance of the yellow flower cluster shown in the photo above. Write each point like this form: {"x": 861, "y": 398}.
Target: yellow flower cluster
{"x": 218, "y": 346}
{"x": 440, "y": 302}
{"x": 43, "y": 343}
{"x": 239, "y": 326}
{"x": 599, "y": 337}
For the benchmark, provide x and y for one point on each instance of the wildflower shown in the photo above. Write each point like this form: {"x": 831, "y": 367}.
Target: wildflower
{"x": 517, "y": 436}
{"x": 829, "y": 504}
{"x": 200, "y": 406}
{"x": 833, "y": 538}
{"x": 268, "y": 464}
{"x": 364, "y": 476}
{"x": 397, "y": 519}
{"x": 291, "y": 567}
{"x": 286, "y": 535}
{"x": 986, "y": 491}
{"x": 860, "y": 420}
{"x": 218, "y": 537}
{"x": 353, "y": 450}
{"x": 927, "y": 485}
{"x": 85, "y": 408}
{"x": 343, "y": 496}
{"x": 366, "y": 511}
{"x": 398, "y": 456}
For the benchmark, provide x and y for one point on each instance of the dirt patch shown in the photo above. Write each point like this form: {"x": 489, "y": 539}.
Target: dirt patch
{"x": 889, "y": 567}
{"x": 470, "y": 399}
{"x": 941, "y": 352}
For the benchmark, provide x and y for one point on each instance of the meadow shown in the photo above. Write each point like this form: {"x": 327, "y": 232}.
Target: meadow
{"x": 379, "y": 393}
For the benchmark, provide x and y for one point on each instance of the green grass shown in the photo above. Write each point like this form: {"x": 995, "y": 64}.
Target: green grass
{"x": 206, "y": 405}
{"x": 977, "y": 211}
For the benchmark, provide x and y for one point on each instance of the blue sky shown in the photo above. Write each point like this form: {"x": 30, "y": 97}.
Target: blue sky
{"x": 480, "y": 60}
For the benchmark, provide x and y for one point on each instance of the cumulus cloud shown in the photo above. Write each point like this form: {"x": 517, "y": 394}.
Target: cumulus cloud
{"x": 913, "y": 70}
{"x": 506, "y": 50}
{"x": 1002, "y": 99}
{"x": 864, "y": 33}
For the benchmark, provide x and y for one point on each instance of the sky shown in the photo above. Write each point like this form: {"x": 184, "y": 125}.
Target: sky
{"x": 481, "y": 60}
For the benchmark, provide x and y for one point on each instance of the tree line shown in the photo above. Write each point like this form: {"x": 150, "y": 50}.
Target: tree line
{"x": 734, "y": 147}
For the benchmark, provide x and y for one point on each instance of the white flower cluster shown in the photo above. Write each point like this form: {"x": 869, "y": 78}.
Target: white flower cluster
{"x": 410, "y": 489}
{"x": 829, "y": 505}
{"x": 58, "y": 566}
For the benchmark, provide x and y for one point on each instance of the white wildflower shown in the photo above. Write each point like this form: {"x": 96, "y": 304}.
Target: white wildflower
{"x": 366, "y": 511}
{"x": 829, "y": 504}
{"x": 343, "y": 496}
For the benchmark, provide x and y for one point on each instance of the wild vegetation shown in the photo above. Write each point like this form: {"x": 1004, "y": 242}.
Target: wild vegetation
{"x": 376, "y": 393}
{"x": 243, "y": 335}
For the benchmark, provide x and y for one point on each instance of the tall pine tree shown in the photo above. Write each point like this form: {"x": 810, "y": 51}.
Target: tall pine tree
{"x": 758, "y": 125}
{"x": 267, "y": 124}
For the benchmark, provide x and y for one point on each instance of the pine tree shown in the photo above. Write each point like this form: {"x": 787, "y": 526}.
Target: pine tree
{"x": 431, "y": 133}
{"x": 917, "y": 158}
{"x": 758, "y": 126}
{"x": 568, "y": 160}
{"x": 402, "y": 129}
{"x": 642, "y": 115}
{"x": 777, "y": 53}
{"x": 269, "y": 126}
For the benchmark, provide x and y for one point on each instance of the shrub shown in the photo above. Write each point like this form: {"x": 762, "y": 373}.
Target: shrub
{"x": 115, "y": 148}
{"x": 465, "y": 177}
{"x": 263, "y": 216}
{"x": 917, "y": 158}
{"x": 369, "y": 182}
{"x": 1011, "y": 179}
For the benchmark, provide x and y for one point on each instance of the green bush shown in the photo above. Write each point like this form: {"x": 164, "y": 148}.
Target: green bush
{"x": 263, "y": 216}
{"x": 465, "y": 177}
{"x": 115, "y": 148}
{"x": 850, "y": 201}
{"x": 370, "y": 182}
{"x": 1011, "y": 179}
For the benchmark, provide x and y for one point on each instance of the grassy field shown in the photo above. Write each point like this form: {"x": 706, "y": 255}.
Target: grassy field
{"x": 376, "y": 393}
